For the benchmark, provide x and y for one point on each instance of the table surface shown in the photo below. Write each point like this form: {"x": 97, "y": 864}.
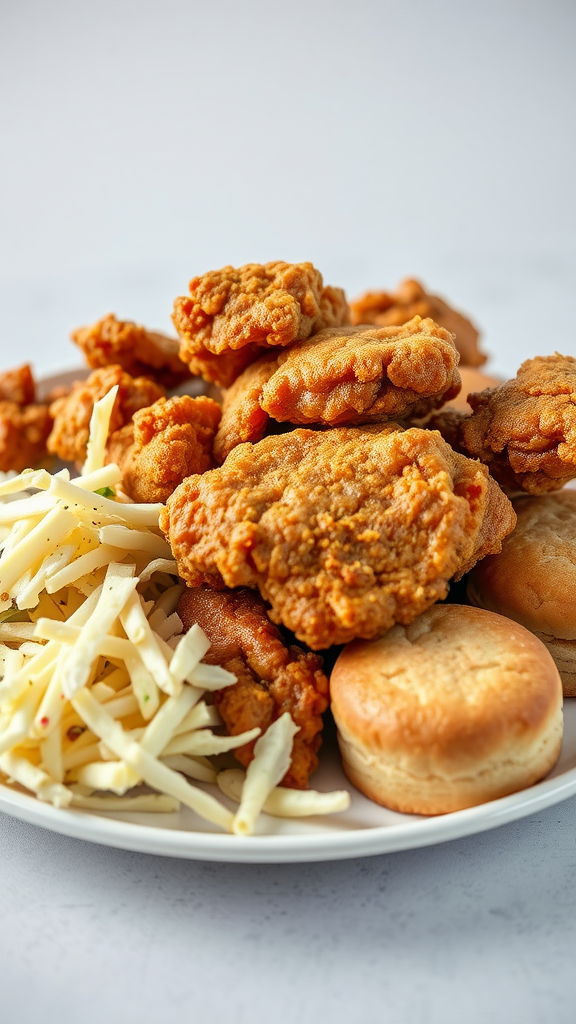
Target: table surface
{"x": 145, "y": 143}
{"x": 482, "y": 928}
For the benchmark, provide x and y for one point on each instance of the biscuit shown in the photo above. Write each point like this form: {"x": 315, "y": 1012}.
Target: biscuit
{"x": 533, "y": 579}
{"x": 460, "y": 707}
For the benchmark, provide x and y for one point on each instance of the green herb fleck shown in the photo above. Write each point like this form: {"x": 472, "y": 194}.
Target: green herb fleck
{"x": 105, "y": 492}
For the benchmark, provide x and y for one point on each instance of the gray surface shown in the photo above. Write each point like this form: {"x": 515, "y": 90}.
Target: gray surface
{"x": 475, "y": 930}
{"x": 146, "y": 142}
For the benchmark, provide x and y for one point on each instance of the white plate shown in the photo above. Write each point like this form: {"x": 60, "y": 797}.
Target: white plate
{"x": 364, "y": 830}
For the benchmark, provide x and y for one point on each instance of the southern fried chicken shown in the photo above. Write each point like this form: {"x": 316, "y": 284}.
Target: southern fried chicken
{"x": 23, "y": 434}
{"x": 343, "y": 376}
{"x": 525, "y": 429}
{"x": 164, "y": 444}
{"x": 24, "y": 424}
{"x": 18, "y": 385}
{"x": 345, "y": 531}
{"x": 141, "y": 353}
{"x": 272, "y": 676}
{"x": 232, "y": 315}
{"x": 72, "y": 413}
{"x": 410, "y": 299}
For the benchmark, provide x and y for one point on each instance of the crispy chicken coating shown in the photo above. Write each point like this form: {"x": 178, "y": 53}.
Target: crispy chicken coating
{"x": 164, "y": 444}
{"x": 343, "y": 376}
{"x": 272, "y": 676}
{"x": 141, "y": 353}
{"x": 72, "y": 413}
{"x": 232, "y": 314}
{"x": 23, "y": 434}
{"x": 409, "y": 300}
{"x": 525, "y": 429}
{"x": 345, "y": 531}
{"x": 24, "y": 425}
{"x": 18, "y": 385}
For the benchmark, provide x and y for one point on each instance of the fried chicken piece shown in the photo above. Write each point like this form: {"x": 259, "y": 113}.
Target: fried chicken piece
{"x": 272, "y": 676}
{"x": 18, "y": 386}
{"x": 24, "y": 425}
{"x": 141, "y": 353}
{"x": 345, "y": 531}
{"x": 525, "y": 429}
{"x": 232, "y": 314}
{"x": 72, "y": 413}
{"x": 343, "y": 376}
{"x": 23, "y": 434}
{"x": 409, "y": 300}
{"x": 164, "y": 444}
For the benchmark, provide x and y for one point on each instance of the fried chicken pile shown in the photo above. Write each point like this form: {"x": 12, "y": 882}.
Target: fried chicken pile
{"x": 273, "y": 677}
{"x": 24, "y": 423}
{"x": 409, "y": 300}
{"x": 343, "y": 376}
{"x": 334, "y": 532}
{"x": 72, "y": 413}
{"x": 232, "y": 315}
{"x": 525, "y": 429}
{"x": 165, "y": 443}
{"x": 141, "y": 353}
{"x": 344, "y": 532}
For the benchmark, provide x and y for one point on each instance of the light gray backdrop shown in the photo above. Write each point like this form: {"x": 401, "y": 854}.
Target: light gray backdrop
{"x": 146, "y": 142}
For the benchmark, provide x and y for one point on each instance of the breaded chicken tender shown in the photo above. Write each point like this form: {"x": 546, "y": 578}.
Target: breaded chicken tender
{"x": 525, "y": 429}
{"x": 343, "y": 376}
{"x": 272, "y": 677}
{"x": 410, "y": 299}
{"x": 344, "y": 532}
{"x": 72, "y": 413}
{"x": 18, "y": 385}
{"x": 23, "y": 434}
{"x": 164, "y": 444}
{"x": 232, "y": 314}
{"x": 141, "y": 353}
{"x": 24, "y": 424}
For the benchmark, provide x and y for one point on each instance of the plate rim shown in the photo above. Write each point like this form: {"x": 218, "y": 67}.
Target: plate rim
{"x": 288, "y": 849}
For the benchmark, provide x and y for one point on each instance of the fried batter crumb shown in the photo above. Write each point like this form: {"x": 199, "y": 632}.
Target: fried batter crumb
{"x": 343, "y": 376}
{"x": 525, "y": 429}
{"x": 72, "y": 413}
{"x": 231, "y": 315}
{"x": 164, "y": 444}
{"x": 141, "y": 353}
{"x": 23, "y": 434}
{"x": 344, "y": 532}
{"x": 18, "y": 385}
{"x": 410, "y": 299}
{"x": 272, "y": 677}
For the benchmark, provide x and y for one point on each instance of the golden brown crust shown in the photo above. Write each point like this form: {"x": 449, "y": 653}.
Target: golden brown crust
{"x": 343, "y": 376}
{"x": 247, "y": 309}
{"x": 409, "y": 300}
{"x": 72, "y": 413}
{"x": 272, "y": 677}
{"x": 343, "y": 531}
{"x": 141, "y": 353}
{"x": 461, "y": 707}
{"x": 525, "y": 429}
{"x": 18, "y": 385}
{"x": 23, "y": 434}
{"x": 165, "y": 443}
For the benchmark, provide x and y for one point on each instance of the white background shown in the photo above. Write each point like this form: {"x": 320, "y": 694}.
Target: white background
{"x": 146, "y": 142}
